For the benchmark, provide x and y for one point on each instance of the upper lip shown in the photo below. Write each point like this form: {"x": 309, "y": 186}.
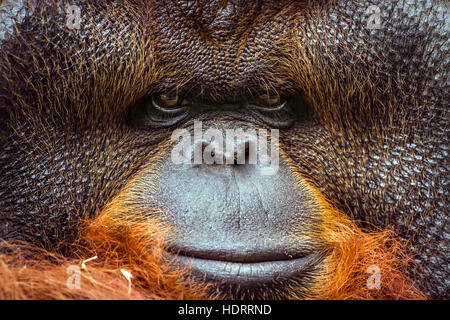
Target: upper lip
{"x": 239, "y": 253}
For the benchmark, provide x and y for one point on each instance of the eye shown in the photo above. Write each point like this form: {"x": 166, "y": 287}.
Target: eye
{"x": 169, "y": 99}
{"x": 280, "y": 110}
{"x": 159, "y": 110}
{"x": 269, "y": 100}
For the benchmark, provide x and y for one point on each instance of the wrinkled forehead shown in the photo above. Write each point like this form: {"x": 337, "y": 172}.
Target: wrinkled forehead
{"x": 226, "y": 45}
{"x": 222, "y": 19}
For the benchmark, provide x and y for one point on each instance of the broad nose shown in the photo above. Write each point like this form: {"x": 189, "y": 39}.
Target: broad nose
{"x": 228, "y": 151}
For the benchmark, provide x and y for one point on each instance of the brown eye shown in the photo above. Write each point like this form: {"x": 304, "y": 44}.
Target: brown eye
{"x": 281, "y": 110}
{"x": 269, "y": 99}
{"x": 169, "y": 99}
{"x": 159, "y": 110}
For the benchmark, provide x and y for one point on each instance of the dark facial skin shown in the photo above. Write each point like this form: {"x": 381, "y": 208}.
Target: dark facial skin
{"x": 366, "y": 123}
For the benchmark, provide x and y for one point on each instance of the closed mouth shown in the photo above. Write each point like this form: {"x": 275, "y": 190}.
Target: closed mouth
{"x": 247, "y": 274}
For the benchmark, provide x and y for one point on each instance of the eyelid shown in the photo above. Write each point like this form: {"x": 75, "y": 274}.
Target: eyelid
{"x": 270, "y": 109}
{"x": 161, "y": 108}
{"x": 266, "y": 97}
{"x": 150, "y": 113}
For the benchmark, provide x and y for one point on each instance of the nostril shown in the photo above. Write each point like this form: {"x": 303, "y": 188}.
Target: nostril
{"x": 242, "y": 154}
{"x": 246, "y": 152}
{"x": 212, "y": 152}
{"x": 207, "y": 152}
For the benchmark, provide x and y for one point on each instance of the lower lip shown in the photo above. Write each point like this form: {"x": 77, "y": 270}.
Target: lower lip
{"x": 254, "y": 273}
